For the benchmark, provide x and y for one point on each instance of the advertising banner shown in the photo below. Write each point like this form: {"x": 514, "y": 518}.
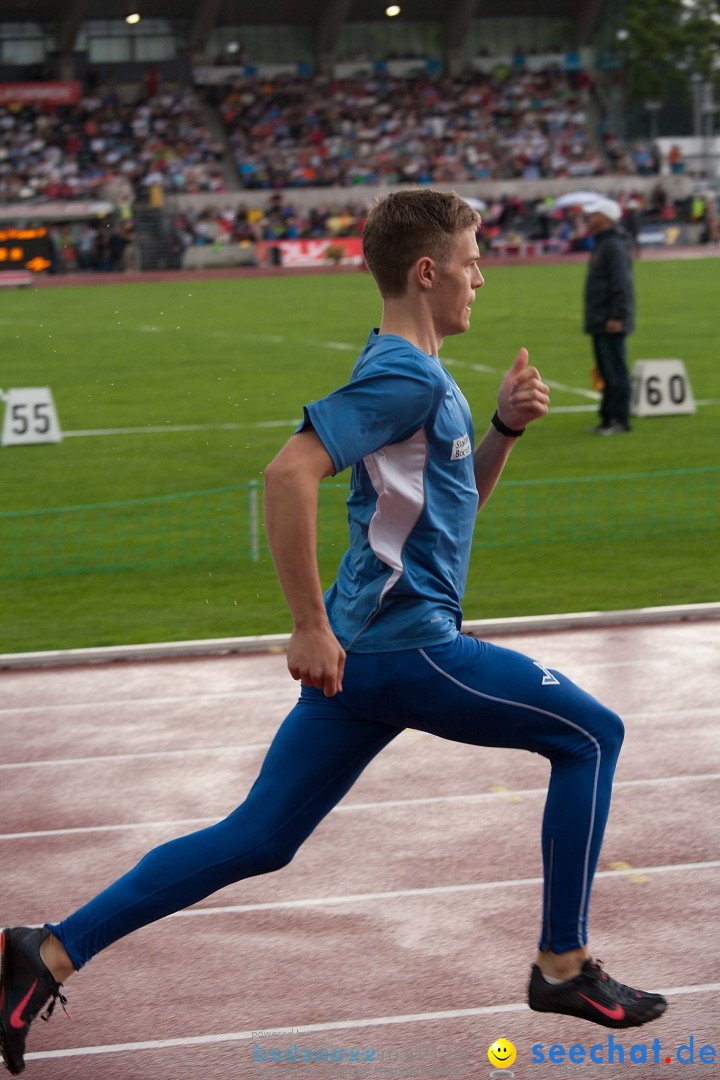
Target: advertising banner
{"x": 49, "y": 93}
{"x": 53, "y": 211}
{"x": 340, "y": 251}
{"x": 665, "y": 234}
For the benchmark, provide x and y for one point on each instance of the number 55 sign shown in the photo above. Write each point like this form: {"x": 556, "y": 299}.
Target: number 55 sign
{"x": 661, "y": 388}
{"x": 30, "y": 417}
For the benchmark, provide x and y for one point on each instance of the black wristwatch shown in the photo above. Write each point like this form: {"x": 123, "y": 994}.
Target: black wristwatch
{"x": 504, "y": 429}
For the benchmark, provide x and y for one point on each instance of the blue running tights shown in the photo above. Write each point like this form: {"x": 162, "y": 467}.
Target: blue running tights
{"x": 467, "y": 690}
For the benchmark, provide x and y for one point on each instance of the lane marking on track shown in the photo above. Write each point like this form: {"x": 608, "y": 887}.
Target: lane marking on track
{"x": 164, "y": 429}
{"x": 190, "y": 699}
{"x": 310, "y": 1029}
{"x": 552, "y": 383}
{"x": 408, "y": 735}
{"x": 502, "y": 794}
{"x": 165, "y": 699}
{"x": 170, "y": 429}
{"x": 593, "y": 408}
{"x": 260, "y": 691}
{"x": 190, "y": 751}
{"x": 432, "y": 890}
{"x": 141, "y": 755}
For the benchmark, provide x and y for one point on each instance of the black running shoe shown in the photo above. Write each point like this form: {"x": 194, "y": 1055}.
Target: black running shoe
{"x": 594, "y": 996}
{"x": 26, "y": 986}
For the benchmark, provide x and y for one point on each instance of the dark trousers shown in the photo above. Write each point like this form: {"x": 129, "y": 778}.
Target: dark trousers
{"x": 611, "y": 359}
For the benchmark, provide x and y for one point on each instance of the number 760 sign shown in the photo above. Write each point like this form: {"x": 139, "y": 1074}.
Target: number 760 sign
{"x": 30, "y": 417}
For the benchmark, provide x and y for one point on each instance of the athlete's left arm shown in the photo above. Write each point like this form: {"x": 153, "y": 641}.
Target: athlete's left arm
{"x": 523, "y": 397}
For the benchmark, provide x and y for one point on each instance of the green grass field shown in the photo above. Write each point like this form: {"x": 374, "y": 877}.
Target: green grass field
{"x": 248, "y": 353}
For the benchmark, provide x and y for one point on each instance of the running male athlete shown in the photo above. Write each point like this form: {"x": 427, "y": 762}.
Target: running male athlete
{"x": 382, "y": 650}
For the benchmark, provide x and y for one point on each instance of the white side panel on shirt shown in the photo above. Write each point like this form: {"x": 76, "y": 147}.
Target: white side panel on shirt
{"x": 397, "y": 473}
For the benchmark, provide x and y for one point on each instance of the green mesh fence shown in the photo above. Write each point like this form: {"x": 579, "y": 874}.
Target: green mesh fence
{"x": 632, "y": 505}
{"x": 225, "y": 524}
{"x": 190, "y": 527}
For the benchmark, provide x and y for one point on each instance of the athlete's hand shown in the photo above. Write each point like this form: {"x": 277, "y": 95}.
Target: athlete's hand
{"x": 316, "y": 658}
{"x": 523, "y": 396}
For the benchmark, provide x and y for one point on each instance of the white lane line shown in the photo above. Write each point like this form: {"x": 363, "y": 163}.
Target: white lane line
{"x": 581, "y": 391}
{"x": 553, "y": 384}
{"x": 351, "y": 808}
{"x": 46, "y": 763}
{"x": 81, "y": 831}
{"x": 191, "y": 751}
{"x": 166, "y": 699}
{"x": 484, "y": 369}
{"x": 521, "y": 793}
{"x": 706, "y": 710}
{"x": 433, "y": 890}
{"x": 162, "y": 429}
{"x": 271, "y": 691}
{"x": 311, "y": 1029}
{"x": 138, "y": 756}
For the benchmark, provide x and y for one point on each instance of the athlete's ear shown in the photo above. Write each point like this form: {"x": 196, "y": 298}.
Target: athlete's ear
{"x": 424, "y": 271}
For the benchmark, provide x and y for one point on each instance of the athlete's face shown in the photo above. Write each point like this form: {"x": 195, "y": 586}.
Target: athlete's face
{"x": 457, "y": 281}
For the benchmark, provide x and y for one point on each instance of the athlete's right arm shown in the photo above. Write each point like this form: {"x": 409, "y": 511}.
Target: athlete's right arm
{"x": 315, "y": 656}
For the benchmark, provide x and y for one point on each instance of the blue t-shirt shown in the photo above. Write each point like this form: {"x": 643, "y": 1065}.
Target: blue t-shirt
{"x": 405, "y": 428}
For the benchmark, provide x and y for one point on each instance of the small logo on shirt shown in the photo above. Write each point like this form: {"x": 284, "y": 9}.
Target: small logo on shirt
{"x": 548, "y": 677}
{"x": 460, "y": 448}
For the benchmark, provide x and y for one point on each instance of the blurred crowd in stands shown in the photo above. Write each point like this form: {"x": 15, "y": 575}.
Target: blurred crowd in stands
{"x": 292, "y": 132}
{"x": 427, "y": 129}
{"x": 86, "y": 246}
{"x": 506, "y": 221}
{"x": 103, "y": 145}
{"x": 309, "y": 131}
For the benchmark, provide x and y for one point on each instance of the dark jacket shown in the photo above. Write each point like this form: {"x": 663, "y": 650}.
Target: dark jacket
{"x": 609, "y": 290}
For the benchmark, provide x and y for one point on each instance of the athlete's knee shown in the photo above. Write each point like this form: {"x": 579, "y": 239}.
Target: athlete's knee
{"x": 611, "y": 732}
{"x": 273, "y": 854}
{"x": 256, "y": 847}
{"x": 600, "y": 731}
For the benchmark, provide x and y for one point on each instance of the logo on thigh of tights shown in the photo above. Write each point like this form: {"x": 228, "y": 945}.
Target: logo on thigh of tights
{"x": 548, "y": 677}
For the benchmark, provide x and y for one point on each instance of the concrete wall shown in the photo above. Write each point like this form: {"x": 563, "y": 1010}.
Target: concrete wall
{"x": 677, "y": 187}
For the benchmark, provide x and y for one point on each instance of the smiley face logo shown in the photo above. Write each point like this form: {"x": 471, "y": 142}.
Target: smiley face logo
{"x": 501, "y": 1053}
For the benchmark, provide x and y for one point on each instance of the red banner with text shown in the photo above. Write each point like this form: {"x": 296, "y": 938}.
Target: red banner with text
{"x": 40, "y": 93}
{"x": 341, "y": 251}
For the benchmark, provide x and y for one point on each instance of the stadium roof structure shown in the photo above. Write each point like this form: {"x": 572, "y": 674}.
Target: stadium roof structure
{"x": 326, "y": 17}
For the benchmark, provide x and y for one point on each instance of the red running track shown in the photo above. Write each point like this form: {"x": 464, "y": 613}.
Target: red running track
{"x": 405, "y": 926}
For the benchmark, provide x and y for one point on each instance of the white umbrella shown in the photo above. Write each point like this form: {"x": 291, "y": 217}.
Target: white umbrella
{"x": 575, "y": 198}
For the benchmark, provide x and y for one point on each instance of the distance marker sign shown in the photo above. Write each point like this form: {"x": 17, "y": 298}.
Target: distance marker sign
{"x": 30, "y": 417}
{"x": 661, "y": 388}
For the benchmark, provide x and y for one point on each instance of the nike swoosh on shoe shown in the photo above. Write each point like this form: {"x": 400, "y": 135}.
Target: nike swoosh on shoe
{"x": 618, "y": 1013}
{"x": 16, "y": 1019}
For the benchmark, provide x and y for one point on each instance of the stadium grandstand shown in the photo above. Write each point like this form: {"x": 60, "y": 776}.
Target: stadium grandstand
{"x": 197, "y": 133}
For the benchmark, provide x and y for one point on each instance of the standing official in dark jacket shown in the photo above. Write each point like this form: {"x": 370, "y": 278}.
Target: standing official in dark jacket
{"x": 610, "y": 311}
